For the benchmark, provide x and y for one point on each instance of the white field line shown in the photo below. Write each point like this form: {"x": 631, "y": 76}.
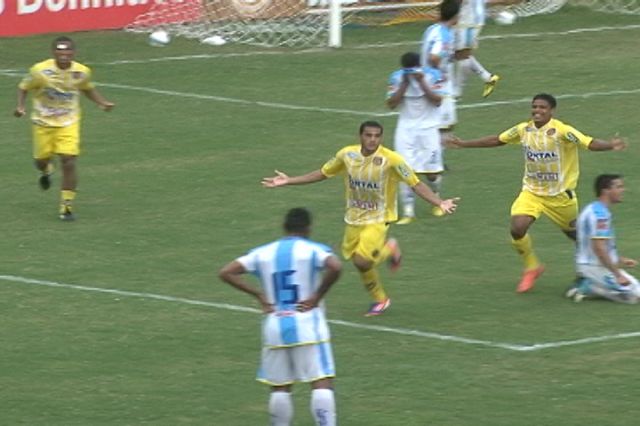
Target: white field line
{"x": 379, "y": 328}
{"x": 277, "y": 105}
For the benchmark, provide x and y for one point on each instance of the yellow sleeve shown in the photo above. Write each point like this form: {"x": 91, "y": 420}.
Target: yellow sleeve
{"x": 85, "y": 83}
{"x": 512, "y": 135}
{"x": 402, "y": 170}
{"x": 32, "y": 80}
{"x": 335, "y": 165}
{"x": 571, "y": 135}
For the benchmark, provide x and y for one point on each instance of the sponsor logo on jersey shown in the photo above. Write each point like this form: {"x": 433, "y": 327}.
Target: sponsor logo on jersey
{"x": 353, "y": 155}
{"x": 55, "y": 95}
{"x": 48, "y": 72}
{"x": 404, "y": 170}
{"x": 540, "y": 156}
{"x": 362, "y": 184}
{"x": 602, "y": 224}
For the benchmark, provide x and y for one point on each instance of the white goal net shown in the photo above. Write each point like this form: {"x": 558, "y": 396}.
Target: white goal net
{"x": 303, "y": 23}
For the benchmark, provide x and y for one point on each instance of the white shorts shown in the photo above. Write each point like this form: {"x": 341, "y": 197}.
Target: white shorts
{"x": 467, "y": 37}
{"x": 304, "y": 363}
{"x": 603, "y": 283}
{"x": 421, "y": 149}
{"x": 449, "y": 115}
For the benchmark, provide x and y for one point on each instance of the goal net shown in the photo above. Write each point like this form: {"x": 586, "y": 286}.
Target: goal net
{"x": 302, "y": 23}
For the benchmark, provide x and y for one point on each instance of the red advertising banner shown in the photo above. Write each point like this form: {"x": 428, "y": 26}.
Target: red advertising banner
{"x": 21, "y": 17}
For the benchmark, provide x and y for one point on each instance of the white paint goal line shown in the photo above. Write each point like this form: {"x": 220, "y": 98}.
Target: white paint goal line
{"x": 371, "y": 327}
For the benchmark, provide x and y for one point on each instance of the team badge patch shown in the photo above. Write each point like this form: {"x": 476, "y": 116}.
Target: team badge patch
{"x": 377, "y": 161}
{"x": 551, "y": 132}
{"x": 77, "y": 75}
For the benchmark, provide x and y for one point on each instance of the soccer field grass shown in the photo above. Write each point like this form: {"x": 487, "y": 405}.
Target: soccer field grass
{"x": 119, "y": 319}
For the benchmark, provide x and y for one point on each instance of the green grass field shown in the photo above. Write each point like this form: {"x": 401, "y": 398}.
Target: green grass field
{"x": 169, "y": 192}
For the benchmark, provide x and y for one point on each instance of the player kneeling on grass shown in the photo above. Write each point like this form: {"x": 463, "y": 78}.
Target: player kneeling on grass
{"x": 295, "y": 333}
{"x": 598, "y": 263}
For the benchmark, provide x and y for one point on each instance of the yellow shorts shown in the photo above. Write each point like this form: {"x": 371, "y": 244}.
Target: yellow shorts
{"x": 365, "y": 240}
{"x": 48, "y": 141}
{"x": 562, "y": 209}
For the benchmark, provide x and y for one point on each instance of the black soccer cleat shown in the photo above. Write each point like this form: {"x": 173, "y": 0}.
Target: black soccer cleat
{"x": 66, "y": 214}
{"x": 44, "y": 181}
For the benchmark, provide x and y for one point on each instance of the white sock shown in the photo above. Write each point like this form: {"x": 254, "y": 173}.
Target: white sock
{"x": 323, "y": 407}
{"x": 477, "y": 68}
{"x": 435, "y": 185}
{"x": 463, "y": 68}
{"x": 280, "y": 408}
{"x": 408, "y": 199}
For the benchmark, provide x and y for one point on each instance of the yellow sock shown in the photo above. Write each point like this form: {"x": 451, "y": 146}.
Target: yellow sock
{"x": 384, "y": 254}
{"x": 371, "y": 281}
{"x": 66, "y": 199}
{"x": 524, "y": 247}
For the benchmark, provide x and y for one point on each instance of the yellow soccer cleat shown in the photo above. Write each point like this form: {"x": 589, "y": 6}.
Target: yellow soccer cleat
{"x": 437, "y": 211}
{"x": 405, "y": 220}
{"x": 490, "y": 85}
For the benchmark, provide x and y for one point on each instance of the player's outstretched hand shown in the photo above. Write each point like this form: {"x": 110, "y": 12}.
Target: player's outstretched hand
{"x": 628, "y": 262}
{"x": 280, "y": 179}
{"x": 18, "y": 112}
{"x": 452, "y": 141}
{"x": 107, "y": 106}
{"x": 450, "y": 205}
{"x": 618, "y": 143}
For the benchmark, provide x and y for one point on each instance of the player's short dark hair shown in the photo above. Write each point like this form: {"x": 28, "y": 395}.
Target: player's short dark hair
{"x": 604, "y": 181}
{"x": 410, "y": 60}
{"x": 297, "y": 220}
{"x": 449, "y": 9}
{"x": 547, "y": 98}
{"x": 371, "y": 123}
{"x": 62, "y": 39}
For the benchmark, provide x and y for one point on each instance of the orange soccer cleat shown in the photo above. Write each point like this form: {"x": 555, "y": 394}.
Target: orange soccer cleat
{"x": 529, "y": 279}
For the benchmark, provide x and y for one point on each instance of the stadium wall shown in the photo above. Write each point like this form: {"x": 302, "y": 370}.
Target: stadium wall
{"x": 24, "y": 17}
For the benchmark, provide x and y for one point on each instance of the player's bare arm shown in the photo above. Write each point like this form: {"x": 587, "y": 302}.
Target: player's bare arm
{"x": 423, "y": 191}
{"x": 232, "y": 272}
{"x": 395, "y": 99}
{"x": 96, "y": 97}
{"x": 282, "y": 179}
{"x": 485, "y": 142}
{"x": 431, "y": 96}
{"x": 600, "y": 250}
{"x": 20, "y": 109}
{"x": 616, "y": 143}
{"x": 332, "y": 273}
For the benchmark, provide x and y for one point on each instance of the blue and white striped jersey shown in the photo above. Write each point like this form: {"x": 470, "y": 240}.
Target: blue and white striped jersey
{"x": 472, "y": 13}
{"x": 439, "y": 40}
{"x": 289, "y": 270}
{"x": 594, "y": 222}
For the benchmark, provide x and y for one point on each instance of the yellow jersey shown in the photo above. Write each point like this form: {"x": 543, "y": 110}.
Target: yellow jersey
{"x": 56, "y": 92}
{"x": 371, "y": 183}
{"x": 550, "y": 155}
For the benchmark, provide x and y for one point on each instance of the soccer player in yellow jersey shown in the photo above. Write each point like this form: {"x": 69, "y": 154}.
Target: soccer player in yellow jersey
{"x": 371, "y": 177}
{"x": 56, "y": 85}
{"x": 551, "y": 172}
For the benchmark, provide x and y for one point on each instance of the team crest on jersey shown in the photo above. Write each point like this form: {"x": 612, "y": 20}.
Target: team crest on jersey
{"x": 377, "y": 161}
{"x": 77, "y": 75}
{"x": 48, "y": 72}
{"x": 551, "y": 132}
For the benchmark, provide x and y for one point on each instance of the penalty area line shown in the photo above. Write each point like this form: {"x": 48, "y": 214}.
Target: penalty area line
{"x": 371, "y": 327}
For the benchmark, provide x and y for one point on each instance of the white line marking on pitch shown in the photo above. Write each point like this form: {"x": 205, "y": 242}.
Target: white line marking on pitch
{"x": 277, "y": 105}
{"x": 401, "y": 331}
